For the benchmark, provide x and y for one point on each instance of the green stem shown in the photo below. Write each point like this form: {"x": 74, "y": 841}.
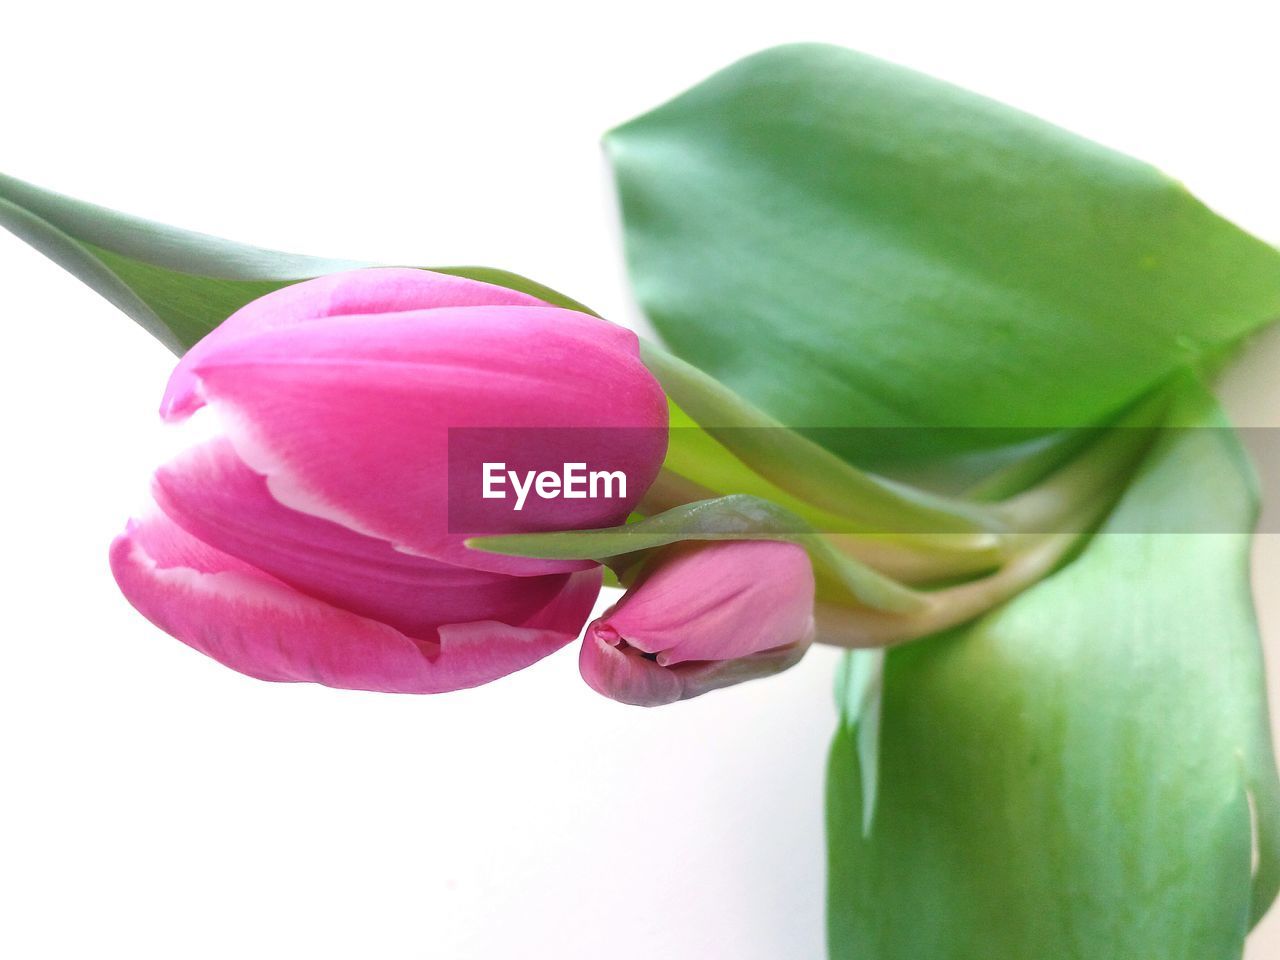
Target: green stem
{"x": 1033, "y": 558}
{"x": 805, "y": 469}
{"x": 1050, "y": 504}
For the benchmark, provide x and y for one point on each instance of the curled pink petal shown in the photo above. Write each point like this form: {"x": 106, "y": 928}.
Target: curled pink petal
{"x": 358, "y": 292}
{"x": 353, "y": 421}
{"x": 630, "y": 676}
{"x": 610, "y": 667}
{"x": 703, "y": 616}
{"x": 260, "y": 626}
{"x": 211, "y": 494}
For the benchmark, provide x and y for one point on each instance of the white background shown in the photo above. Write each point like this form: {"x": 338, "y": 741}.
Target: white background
{"x": 159, "y": 806}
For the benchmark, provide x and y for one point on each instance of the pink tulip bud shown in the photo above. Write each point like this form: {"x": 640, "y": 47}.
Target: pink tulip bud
{"x": 312, "y": 540}
{"x": 703, "y": 616}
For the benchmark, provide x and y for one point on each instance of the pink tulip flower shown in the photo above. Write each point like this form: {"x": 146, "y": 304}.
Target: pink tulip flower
{"x": 311, "y": 540}
{"x": 703, "y": 616}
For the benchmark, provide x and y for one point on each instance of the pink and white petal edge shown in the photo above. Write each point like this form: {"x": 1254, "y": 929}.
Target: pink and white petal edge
{"x": 259, "y": 626}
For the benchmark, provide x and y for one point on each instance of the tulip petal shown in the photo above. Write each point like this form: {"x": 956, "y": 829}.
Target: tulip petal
{"x": 260, "y": 626}
{"x": 211, "y": 494}
{"x": 703, "y": 615}
{"x": 699, "y": 677}
{"x": 626, "y": 673}
{"x": 718, "y": 600}
{"x": 623, "y": 673}
{"x": 356, "y": 292}
{"x": 352, "y": 421}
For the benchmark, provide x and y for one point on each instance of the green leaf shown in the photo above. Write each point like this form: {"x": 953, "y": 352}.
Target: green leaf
{"x": 860, "y": 695}
{"x": 737, "y": 517}
{"x": 847, "y": 243}
{"x": 176, "y": 284}
{"x": 1074, "y": 776}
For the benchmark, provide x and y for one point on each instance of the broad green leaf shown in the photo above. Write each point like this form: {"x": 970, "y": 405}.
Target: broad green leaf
{"x": 176, "y": 284}
{"x": 1086, "y": 772}
{"x": 860, "y": 694}
{"x": 848, "y": 243}
{"x": 737, "y": 517}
